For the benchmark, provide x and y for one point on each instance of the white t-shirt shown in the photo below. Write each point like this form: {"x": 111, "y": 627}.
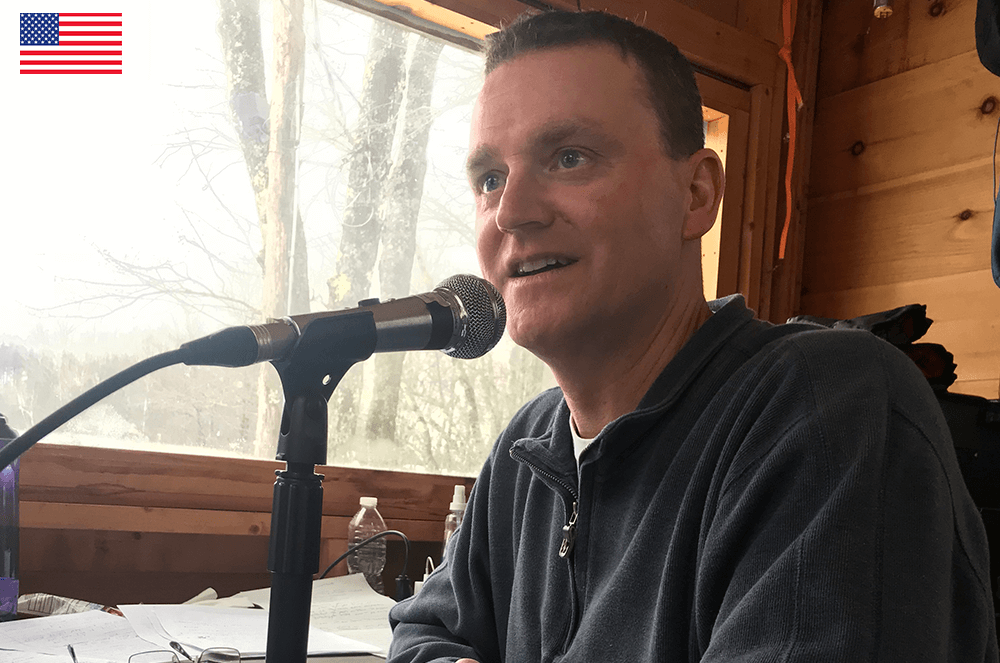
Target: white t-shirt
{"x": 579, "y": 443}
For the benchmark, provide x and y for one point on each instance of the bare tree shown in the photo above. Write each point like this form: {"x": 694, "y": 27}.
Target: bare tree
{"x": 400, "y": 208}
{"x": 369, "y": 164}
{"x": 269, "y": 149}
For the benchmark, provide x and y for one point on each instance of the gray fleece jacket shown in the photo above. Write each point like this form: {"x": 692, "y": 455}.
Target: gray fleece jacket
{"x": 782, "y": 493}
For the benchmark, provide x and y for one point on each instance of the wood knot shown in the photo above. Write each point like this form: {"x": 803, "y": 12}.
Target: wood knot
{"x": 936, "y": 9}
{"x": 965, "y": 215}
{"x": 255, "y": 529}
{"x": 988, "y": 106}
{"x": 857, "y": 148}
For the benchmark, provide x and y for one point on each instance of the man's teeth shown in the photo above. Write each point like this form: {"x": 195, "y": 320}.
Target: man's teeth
{"x": 536, "y": 265}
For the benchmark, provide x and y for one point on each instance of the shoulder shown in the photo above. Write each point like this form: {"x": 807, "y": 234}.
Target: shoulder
{"x": 834, "y": 361}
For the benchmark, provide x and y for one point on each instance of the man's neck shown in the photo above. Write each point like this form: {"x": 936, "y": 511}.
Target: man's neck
{"x": 612, "y": 383}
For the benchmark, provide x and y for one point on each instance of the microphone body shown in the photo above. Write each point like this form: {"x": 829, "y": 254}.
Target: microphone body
{"x": 464, "y": 316}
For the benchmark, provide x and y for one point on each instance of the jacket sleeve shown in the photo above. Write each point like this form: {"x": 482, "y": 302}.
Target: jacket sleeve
{"x": 452, "y": 616}
{"x": 842, "y": 529}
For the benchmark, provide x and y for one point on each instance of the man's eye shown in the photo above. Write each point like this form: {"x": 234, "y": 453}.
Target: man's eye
{"x": 491, "y": 182}
{"x": 570, "y": 158}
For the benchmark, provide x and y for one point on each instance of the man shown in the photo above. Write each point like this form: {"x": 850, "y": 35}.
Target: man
{"x": 702, "y": 486}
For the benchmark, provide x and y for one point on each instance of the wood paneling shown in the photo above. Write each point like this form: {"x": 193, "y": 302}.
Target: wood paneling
{"x": 98, "y": 523}
{"x": 904, "y": 126}
{"x": 900, "y": 206}
{"x": 858, "y": 49}
{"x": 886, "y": 235}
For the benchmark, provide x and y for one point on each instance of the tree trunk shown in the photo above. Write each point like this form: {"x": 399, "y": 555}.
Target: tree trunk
{"x": 279, "y": 227}
{"x": 371, "y": 156}
{"x": 399, "y": 232}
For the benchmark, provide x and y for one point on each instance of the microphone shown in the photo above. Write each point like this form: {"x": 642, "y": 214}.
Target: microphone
{"x": 464, "y": 316}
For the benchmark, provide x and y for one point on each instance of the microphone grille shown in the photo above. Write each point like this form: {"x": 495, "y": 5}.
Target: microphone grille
{"x": 487, "y": 315}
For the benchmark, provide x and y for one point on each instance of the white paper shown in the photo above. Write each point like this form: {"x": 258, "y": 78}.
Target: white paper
{"x": 8, "y": 656}
{"x": 198, "y": 627}
{"x": 96, "y": 636}
{"x": 345, "y": 605}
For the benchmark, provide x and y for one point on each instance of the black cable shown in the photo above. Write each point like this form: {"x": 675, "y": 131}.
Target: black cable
{"x": 23, "y": 442}
{"x": 406, "y": 554}
{"x": 403, "y": 589}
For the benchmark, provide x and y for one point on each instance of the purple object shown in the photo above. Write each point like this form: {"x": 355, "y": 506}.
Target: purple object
{"x": 9, "y": 542}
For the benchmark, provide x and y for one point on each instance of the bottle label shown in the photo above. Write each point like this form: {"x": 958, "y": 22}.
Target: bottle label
{"x": 8, "y": 596}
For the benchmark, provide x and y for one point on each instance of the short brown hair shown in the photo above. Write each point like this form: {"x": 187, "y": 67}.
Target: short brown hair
{"x": 673, "y": 92}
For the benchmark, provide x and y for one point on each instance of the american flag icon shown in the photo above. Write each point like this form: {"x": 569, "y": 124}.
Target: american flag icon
{"x": 71, "y": 43}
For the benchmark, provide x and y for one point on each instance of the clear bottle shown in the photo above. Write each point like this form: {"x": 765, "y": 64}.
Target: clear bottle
{"x": 9, "y": 540}
{"x": 455, "y": 515}
{"x": 369, "y": 559}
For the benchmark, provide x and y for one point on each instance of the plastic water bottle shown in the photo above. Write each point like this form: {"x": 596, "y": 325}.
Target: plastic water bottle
{"x": 9, "y": 543}
{"x": 369, "y": 559}
{"x": 455, "y": 515}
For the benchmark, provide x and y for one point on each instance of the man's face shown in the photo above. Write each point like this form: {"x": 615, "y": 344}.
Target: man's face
{"x": 579, "y": 210}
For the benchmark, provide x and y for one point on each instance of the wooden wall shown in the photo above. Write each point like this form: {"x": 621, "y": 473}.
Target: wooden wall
{"x": 900, "y": 191}
{"x": 118, "y": 526}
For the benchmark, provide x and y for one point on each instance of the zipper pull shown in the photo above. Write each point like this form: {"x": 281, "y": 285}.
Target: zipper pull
{"x": 569, "y": 534}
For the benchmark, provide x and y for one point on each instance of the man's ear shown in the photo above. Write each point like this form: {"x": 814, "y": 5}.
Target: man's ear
{"x": 708, "y": 182}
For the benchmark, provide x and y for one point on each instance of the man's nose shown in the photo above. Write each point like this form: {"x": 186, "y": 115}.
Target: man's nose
{"x": 524, "y": 204}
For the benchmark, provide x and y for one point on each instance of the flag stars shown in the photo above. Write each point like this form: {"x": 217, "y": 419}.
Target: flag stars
{"x": 39, "y": 29}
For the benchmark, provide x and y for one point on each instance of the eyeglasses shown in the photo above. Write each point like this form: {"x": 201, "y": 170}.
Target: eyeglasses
{"x": 213, "y": 655}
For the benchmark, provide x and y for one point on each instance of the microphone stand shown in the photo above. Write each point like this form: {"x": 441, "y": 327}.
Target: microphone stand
{"x": 308, "y": 377}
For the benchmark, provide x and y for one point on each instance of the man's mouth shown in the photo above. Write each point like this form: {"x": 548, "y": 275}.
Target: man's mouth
{"x": 530, "y": 267}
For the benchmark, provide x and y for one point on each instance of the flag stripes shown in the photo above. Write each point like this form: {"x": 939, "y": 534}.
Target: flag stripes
{"x": 71, "y": 43}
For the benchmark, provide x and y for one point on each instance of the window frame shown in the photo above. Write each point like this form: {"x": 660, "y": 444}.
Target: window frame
{"x": 66, "y": 489}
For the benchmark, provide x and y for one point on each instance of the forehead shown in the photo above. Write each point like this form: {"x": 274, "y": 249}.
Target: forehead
{"x": 592, "y": 83}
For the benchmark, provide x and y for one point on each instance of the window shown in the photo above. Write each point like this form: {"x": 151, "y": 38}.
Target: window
{"x": 137, "y": 210}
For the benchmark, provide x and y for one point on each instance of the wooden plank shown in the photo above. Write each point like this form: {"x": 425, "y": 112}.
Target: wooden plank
{"x": 859, "y": 49}
{"x": 772, "y": 195}
{"x": 714, "y": 44}
{"x": 984, "y": 388}
{"x": 925, "y": 228}
{"x": 722, "y": 96}
{"x": 86, "y": 475}
{"x": 112, "y": 517}
{"x": 786, "y": 277}
{"x": 450, "y": 12}
{"x": 144, "y": 520}
{"x": 965, "y": 308}
{"x": 761, "y": 18}
{"x": 916, "y": 122}
{"x": 731, "y": 216}
{"x": 725, "y": 11}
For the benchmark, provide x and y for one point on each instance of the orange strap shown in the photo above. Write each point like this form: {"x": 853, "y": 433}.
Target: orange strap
{"x": 794, "y": 102}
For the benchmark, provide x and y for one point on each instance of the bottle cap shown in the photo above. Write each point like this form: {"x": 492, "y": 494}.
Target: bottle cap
{"x": 458, "y": 499}
{"x": 369, "y": 502}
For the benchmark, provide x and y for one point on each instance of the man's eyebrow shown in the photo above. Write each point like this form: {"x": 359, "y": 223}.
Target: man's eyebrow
{"x": 479, "y": 158}
{"x": 549, "y": 135}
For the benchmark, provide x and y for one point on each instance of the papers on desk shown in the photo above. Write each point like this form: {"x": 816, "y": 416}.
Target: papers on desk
{"x": 345, "y": 605}
{"x": 97, "y": 637}
{"x": 197, "y": 628}
{"x": 347, "y": 617}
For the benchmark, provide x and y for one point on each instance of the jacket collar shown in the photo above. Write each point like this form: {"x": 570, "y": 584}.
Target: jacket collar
{"x": 553, "y": 450}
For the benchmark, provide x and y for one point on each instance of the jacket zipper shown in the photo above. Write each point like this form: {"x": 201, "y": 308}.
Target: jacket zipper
{"x": 568, "y": 541}
{"x": 569, "y": 534}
